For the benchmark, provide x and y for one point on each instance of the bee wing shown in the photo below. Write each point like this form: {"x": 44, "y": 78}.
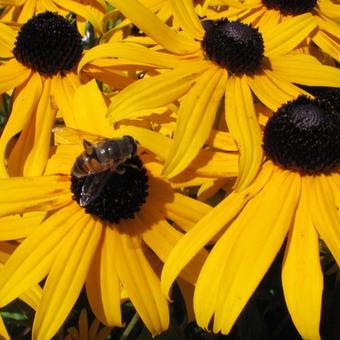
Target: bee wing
{"x": 93, "y": 186}
{"x": 65, "y": 135}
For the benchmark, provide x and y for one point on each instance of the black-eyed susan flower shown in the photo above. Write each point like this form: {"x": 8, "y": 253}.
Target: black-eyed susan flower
{"x": 294, "y": 196}
{"x": 106, "y": 248}
{"x": 220, "y": 59}
{"x": 106, "y": 244}
{"x": 268, "y": 13}
{"x": 20, "y": 11}
{"x": 42, "y": 57}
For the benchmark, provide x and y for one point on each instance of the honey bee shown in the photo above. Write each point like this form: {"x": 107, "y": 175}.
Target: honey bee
{"x": 101, "y": 159}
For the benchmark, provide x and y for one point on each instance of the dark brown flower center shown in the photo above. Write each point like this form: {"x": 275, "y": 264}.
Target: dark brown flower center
{"x": 291, "y": 7}
{"x": 116, "y": 194}
{"x": 233, "y": 45}
{"x": 48, "y": 44}
{"x": 304, "y": 135}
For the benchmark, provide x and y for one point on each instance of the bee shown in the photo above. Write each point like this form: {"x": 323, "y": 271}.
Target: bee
{"x": 102, "y": 159}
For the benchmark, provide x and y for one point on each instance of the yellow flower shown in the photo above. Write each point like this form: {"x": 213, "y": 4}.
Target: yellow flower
{"x": 86, "y": 332}
{"x": 79, "y": 248}
{"x": 295, "y": 195}
{"x": 72, "y": 247}
{"x": 266, "y": 69}
{"x": 268, "y": 13}
{"x": 42, "y": 58}
{"x": 20, "y": 11}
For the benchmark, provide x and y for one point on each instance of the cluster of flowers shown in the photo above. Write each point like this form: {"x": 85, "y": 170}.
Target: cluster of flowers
{"x": 233, "y": 96}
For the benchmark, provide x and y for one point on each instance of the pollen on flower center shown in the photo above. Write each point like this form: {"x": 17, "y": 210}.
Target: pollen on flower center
{"x": 48, "y": 44}
{"x": 233, "y": 45}
{"x": 291, "y": 7}
{"x": 116, "y": 195}
{"x": 304, "y": 135}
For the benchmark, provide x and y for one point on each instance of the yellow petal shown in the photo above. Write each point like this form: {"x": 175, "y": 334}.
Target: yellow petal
{"x": 164, "y": 12}
{"x": 210, "y": 188}
{"x": 12, "y": 2}
{"x": 207, "y": 227}
{"x": 154, "y": 92}
{"x": 244, "y": 253}
{"x": 33, "y": 258}
{"x": 161, "y": 237}
{"x": 267, "y": 83}
{"x": 222, "y": 140}
{"x": 22, "y": 194}
{"x": 328, "y": 44}
{"x": 32, "y": 296}
{"x": 267, "y": 21}
{"x": 62, "y": 160}
{"x": 129, "y": 52}
{"x": 335, "y": 177}
{"x": 90, "y": 110}
{"x": 3, "y": 331}
{"x": 301, "y": 271}
{"x": 184, "y": 13}
{"x": 8, "y": 37}
{"x": 30, "y": 153}
{"x": 141, "y": 282}
{"x": 25, "y": 102}
{"x": 284, "y": 37}
{"x": 186, "y": 212}
{"x": 335, "y": 185}
{"x": 196, "y": 117}
{"x": 27, "y": 11}
{"x": 81, "y": 10}
{"x": 152, "y": 26}
{"x": 324, "y": 213}
{"x": 63, "y": 92}
{"x": 244, "y": 127}
{"x": 186, "y": 179}
{"x": 248, "y": 15}
{"x": 329, "y": 9}
{"x": 12, "y": 74}
{"x": 211, "y": 163}
{"x": 306, "y": 70}
{"x": 15, "y": 227}
{"x": 327, "y": 25}
{"x": 103, "y": 286}
{"x": 150, "y": 140}
{"x": 67, "y": 276}
{"x": 6, "y": 249}
{"x": 115, "y": 79}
